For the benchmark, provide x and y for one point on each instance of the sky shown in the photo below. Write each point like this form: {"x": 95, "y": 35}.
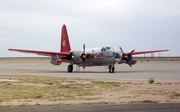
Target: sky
{"x": 131, "y": 24}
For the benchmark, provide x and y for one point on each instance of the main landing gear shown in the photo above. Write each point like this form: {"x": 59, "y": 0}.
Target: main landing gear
{"x": 111, "y": 69}
{"x": 70, "y": 68}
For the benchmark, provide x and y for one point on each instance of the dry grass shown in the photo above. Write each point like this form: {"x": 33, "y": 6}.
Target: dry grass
{"x": 43, "y": 88}
{"x": 39, "y": 90}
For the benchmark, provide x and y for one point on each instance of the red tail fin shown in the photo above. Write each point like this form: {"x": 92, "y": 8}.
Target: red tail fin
{"x": 65, "y": 44}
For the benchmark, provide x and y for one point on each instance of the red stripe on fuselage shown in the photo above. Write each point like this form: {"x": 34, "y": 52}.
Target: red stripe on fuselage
{"x": 104, "y": 56}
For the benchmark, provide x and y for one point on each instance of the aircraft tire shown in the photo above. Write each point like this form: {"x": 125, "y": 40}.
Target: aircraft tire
{"x": 70, "y": 68}
{"x": 111, "y": 69}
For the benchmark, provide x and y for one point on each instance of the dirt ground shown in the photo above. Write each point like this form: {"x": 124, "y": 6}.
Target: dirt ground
{"x": 126, "y": 92}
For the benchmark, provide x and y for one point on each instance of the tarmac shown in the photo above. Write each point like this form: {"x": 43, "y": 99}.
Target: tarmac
{"x": 158, "y": 70}
{"x": 99, "y": 108}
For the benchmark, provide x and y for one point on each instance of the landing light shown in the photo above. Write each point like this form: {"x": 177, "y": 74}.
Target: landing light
{"x": 95, "y": 56}
{"x": 72, "y": 56}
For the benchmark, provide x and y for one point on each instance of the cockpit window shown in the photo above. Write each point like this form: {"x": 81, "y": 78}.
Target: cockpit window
{"x": 103, "y": 49}
{"x": 109, "y": 48}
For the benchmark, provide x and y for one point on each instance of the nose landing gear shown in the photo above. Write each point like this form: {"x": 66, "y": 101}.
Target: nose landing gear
{"x": 111, "y": 69}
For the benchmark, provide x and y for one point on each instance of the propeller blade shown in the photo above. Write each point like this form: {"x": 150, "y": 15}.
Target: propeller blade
{"x": 84, "y": 65}
{"x": 121, "y": 49}
{"x": 84, "y": 48}
{"x": 116, "y": 63}
{"x": 130, "y": 58}
{"x": 132, "y": 51}
{"x": 125, "y": 56}
{"x": 84, "y": 56}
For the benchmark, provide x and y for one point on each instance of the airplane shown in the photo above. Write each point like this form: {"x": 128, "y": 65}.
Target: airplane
{"x": 101, "y": 56}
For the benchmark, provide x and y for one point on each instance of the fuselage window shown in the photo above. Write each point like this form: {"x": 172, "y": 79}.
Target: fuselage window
{"x": 113, "y": 53}
{"x": 117, "y": 55}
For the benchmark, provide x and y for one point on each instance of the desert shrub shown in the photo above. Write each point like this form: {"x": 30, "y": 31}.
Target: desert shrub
{"x": 151, "y": 80}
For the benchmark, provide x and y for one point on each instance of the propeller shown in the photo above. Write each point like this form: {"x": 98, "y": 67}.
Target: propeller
{"x": 83, "y": 56}
{"x": 128, "y": 56}
{"x": 121, "y": 49}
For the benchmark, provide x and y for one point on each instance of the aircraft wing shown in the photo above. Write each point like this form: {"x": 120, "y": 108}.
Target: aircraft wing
{"x": 45, "y": 53}
{"x": 144, "y": 52}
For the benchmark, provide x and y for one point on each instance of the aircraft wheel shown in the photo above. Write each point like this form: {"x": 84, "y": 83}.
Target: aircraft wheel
{"x": 111, "y": 69}
{"x": 70, "y": 68}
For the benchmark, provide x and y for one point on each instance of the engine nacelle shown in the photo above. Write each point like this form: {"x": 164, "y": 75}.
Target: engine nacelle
{"x": 134, "y": 61}
{"x": 76, "y": 56}
{"x": 56, "y": 62}
{"x": 131, "y": 62}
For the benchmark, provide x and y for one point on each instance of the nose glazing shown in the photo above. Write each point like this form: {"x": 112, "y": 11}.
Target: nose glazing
{"x": 117, "y": 55}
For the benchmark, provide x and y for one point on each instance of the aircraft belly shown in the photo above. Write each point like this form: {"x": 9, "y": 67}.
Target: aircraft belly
{"x": 99, "y": 62}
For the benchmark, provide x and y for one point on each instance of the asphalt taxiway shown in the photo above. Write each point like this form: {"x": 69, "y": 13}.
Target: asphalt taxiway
{"x": 100, "y": 108}
{"x": 159, "y": 70}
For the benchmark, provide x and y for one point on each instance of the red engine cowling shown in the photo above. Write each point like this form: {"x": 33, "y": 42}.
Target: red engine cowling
{"x": 56, "y": 62}
{"x": 134, "y": 61}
